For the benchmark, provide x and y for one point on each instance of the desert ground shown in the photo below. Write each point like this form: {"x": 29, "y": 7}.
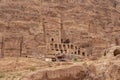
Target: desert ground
{"x": 12, "y": 68}
{"x": 22, "y": 68}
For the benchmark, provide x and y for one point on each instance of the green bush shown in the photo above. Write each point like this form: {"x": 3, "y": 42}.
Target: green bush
{"x": 75, "y": 59}
{"x": 32, "y": 68}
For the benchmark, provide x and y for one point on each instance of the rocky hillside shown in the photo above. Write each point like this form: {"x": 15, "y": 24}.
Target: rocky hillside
{"x": 84, "y": 21}
{"x": 100, "y": 70}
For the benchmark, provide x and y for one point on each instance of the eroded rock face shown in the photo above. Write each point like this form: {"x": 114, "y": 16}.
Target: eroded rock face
{"x": 112, "y": 52}
{"x": 91, "y": 24}
{"x": 95, "y": 71}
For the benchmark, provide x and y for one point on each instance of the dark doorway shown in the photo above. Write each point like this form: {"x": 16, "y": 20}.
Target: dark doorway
{"x": 104, "y": 53}
{"x": 52, "y": 39}
{"x": 61, "y": 40}
{"x": 83, "y": 53}
{"x": 61, "y": 58}
{"x": 78, "y": 52}
{"x": 75, "y": 52}
{"x": 61, "y": 51}
{"x": 72, "y": 46}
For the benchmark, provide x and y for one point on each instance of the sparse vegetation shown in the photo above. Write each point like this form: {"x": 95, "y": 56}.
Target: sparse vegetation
{"x": 2, "y": 74}
{"x": 75, "y": 60}
{"x": 50, "y": 64}
{"x": 32, "y": 68}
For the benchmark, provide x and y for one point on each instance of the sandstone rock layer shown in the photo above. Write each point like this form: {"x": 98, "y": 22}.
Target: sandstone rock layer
{"x": 105, "y": 70}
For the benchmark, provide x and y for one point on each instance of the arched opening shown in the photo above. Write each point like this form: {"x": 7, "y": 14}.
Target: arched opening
{"x": 116, "y": 52}
{"x": 72, "y": 46}
{"x": 104, "y": 53}
{"x": 75, "y": 52}
{"x": 61, "y": 51}
{"x": 61, "y": 40}
{"x": 78, "y": 52}
{"x": 64, "y": 45}
{"x": 52, "y": 39}
{"x": 83, "y": 53}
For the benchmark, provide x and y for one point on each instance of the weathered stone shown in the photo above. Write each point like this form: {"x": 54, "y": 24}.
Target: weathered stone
{"x": 92, "y": 25}
{"x": 93, "y": 71}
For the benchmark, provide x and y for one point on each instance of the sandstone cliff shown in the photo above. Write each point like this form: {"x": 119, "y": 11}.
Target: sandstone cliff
{"x": 93, "y": 24}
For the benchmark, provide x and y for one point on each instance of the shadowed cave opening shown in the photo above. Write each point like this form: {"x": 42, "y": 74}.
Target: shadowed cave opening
{"x": 117, "y": 52}
{"x": 105, "y": 54}
{"x": 83, "y": 53}
{"x": 52, "y": 39}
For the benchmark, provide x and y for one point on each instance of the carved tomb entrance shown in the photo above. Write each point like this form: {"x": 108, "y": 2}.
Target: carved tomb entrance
{"x": 12, "y": 46}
